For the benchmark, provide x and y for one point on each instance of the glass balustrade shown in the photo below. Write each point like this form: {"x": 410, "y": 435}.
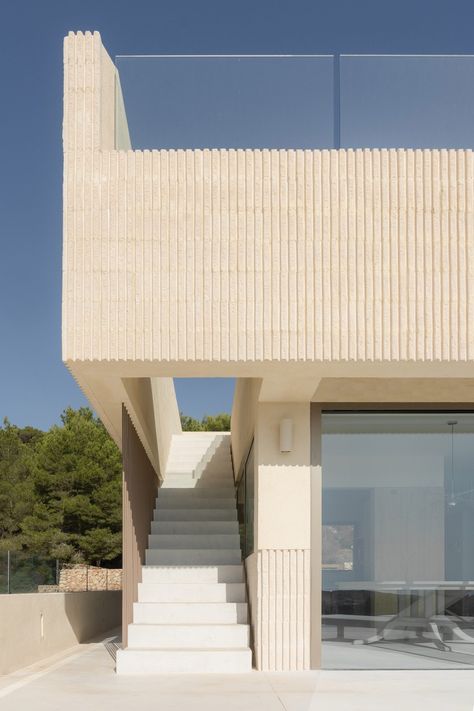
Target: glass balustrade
{"x": 299, "y": 101}
{"x": 228, "y": 102}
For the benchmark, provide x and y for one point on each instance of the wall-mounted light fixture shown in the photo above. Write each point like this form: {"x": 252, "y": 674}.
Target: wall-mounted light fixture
{"x": 286, "y": 435}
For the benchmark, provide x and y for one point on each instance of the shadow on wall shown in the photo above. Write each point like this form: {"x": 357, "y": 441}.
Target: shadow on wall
{"x": 211, "y": 464}
{"x": 92, "y": 613}
{"x": 52, "y": 623}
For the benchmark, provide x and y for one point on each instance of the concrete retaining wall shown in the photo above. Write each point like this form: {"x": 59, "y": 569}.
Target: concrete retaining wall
{"x": 37, "y": 625}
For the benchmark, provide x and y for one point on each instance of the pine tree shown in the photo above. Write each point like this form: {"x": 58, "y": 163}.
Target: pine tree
{"x": 77, "y": 487}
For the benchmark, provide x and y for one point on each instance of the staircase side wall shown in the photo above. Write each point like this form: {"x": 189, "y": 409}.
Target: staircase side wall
{"x": 140, "y": 485}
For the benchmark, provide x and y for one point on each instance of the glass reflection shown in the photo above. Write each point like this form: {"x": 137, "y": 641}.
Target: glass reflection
{"x": 407, "y": 101}
{"x": 398, "y": 525}
{"x": 245, "y": 504}
{"x": 228, "y": 102}
{"x": 298, "y": 101}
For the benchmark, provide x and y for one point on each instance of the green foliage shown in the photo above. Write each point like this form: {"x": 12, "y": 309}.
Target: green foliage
{"x": 60, "y": 491}
{"x": 189, "y": 424}
{"x": 17, "y": 452}
{"x": 101, "y": 544}
{"x": 209, "y": 423}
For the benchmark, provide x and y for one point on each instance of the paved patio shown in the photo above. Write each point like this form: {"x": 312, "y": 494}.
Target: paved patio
{"x": 84, "y": 680}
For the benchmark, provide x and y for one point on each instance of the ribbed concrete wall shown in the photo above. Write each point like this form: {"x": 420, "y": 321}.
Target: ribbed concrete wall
{"x": 226, "y": 256}
{"x": 281, "y": 623}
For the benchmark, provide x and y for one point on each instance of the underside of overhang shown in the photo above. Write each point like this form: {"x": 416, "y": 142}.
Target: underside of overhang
{"x": 147, "y": 389}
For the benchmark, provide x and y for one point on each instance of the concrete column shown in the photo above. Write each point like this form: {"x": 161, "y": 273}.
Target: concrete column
{"x": 281, "y": 601}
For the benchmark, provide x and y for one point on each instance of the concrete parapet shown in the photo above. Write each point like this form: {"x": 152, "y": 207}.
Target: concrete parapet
{"x": 34, "y": 626}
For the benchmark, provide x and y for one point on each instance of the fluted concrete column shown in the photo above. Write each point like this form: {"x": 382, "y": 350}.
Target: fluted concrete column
{"x": 281, "y": 612}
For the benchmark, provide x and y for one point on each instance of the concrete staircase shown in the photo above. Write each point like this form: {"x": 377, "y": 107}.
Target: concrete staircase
{"x": 191, "y": 615}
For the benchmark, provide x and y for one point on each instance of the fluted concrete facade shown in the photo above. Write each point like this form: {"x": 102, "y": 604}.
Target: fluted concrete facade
{"x": 282, "y": 617}
{"x": 273, "y": 255}
{"x": 250, "y": 256}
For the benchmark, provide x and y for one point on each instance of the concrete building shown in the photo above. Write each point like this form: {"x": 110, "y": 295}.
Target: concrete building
{"x": 337, "y": 287}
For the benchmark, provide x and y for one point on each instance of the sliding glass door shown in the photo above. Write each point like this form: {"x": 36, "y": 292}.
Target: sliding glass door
{"x": 398, "y": 540}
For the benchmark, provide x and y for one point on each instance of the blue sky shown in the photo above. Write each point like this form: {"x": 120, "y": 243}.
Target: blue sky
{"x": 34, "y": 385}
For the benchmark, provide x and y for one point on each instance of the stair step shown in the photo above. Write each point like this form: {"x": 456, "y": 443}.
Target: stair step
{"x": 189, "y": 636}
{"x": 223, "y": 473}
{"x": 198, "y": 492}
{"x": 189, "y": 502}
{"x": 195, "y": 514}
{"x": 198, "y": 448}
{"x": 188, "y": 661}
{"x": 178, "y": 541}
{"x": 191, "y": 592}
{"x": 193, "y": 556}
{"x": 190, "y": 613}
{"x": 193, "y": 574}
{"x": 190, "y": 471}
{"x": 200, "y": 451}
{"x": 204, "y": 454}
{"x": 209, "y": 527}
{"x": 186, "y": 481}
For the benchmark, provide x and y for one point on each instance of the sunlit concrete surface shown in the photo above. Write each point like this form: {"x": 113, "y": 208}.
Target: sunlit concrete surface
{"x": 84, "y": 678}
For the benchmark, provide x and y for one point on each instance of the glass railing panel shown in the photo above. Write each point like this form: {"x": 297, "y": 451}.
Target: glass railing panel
{"x": 407, "y": 101}
{"x": 28, "y": 572}
{"x": 4, "y": 563}
{"x": 249, "y": 502}
{"x": 246, "y": 504}
{"x": 227, "y": 102}
{"x": 22, "y": 572}
{"x": 241, "y": 509}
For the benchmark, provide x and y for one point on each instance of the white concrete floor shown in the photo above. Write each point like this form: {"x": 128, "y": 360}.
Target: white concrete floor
{"x": 84, "y": 680}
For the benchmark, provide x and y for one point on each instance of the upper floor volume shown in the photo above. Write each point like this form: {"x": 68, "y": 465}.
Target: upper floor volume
{"x": 286, "y": 209}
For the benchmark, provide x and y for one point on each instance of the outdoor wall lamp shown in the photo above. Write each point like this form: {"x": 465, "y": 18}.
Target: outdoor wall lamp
{"x": 286, "y": 435}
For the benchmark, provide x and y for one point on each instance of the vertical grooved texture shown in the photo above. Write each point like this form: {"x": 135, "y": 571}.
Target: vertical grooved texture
{"x": 249, "y": 255}
{"x": 282, "y": 619}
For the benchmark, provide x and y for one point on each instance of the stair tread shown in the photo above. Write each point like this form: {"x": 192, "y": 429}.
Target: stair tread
{"x": 191, "y": 583}
{"x": 231, "y": 625}
{"x": 196, "y": 506}
{"x": 186, "y": 649}
{"x": 196, "y": 499}
{"x": 193, "y": 602}
{"x": 207, "y": 541}
{"x": 204, "y": 566}
{"x": 199, "y": 536}
{"x": 181, "y": 508}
